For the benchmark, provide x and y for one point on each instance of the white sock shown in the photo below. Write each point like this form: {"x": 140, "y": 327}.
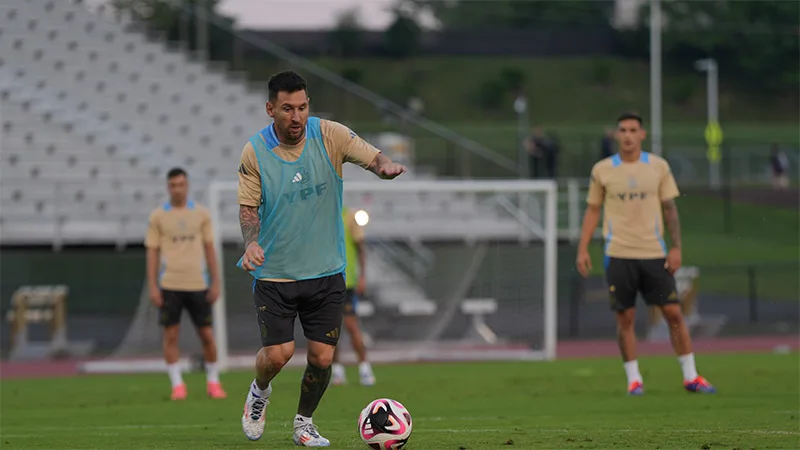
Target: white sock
{"x": 263, "y": 393}
{"x": 632, "y": 371}
{"x": 212, "y": 372}
{"x": 687, "y": 367}
{"x": 301, "y": 420}
{"x": 365, "y": 367}
{"x": 174, "y": 371}
{"x": 338, "y": 369}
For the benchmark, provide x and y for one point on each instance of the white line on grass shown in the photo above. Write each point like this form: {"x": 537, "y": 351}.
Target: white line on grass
{"x": 103, "y": 431}
{"x": 272, "y": 430}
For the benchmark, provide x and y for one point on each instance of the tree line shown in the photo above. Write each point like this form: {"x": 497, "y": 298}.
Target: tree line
{"x": 755, "y": 42}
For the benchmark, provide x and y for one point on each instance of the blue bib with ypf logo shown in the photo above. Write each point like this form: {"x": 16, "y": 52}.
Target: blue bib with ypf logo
{"x": 302, "y": 233}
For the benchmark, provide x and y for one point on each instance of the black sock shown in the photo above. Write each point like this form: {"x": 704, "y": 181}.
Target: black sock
{"x": 315, "y": 381}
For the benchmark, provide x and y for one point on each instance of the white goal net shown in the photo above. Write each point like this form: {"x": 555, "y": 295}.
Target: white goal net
{"x": 456, "y": 270}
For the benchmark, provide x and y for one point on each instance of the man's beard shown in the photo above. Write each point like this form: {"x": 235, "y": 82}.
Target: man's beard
{"x": 289, "y": 135}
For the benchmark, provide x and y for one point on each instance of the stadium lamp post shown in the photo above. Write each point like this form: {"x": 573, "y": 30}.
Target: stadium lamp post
{"x": 655, "y": 76}
{"x": 521, "y": 108}
{"x": 713, "y": 132}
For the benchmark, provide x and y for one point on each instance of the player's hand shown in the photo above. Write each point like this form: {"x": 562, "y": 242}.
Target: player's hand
{"x": 155, "y": 297}
{"x": 674, "y": 260}
{"x": 391, "y": 171}
{"x": 253, "y": 257}
{"x": 212, "y": 293}
{"x": 361, "y": 287}
{"x": 584, "y": 263}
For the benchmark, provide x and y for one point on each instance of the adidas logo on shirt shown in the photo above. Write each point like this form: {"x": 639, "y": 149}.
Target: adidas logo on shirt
{"x": 298, "y": 177}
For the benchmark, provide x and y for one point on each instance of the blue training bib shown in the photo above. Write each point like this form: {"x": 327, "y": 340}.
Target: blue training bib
{"x": 302, "y": 233}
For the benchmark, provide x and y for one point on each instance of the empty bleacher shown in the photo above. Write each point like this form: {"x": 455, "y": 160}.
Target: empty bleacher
{"x": 93, "y": 116}
{"x": 85, "y": 100}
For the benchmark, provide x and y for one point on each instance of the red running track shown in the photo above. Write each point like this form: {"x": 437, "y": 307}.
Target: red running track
{"x": 566, "y": 349}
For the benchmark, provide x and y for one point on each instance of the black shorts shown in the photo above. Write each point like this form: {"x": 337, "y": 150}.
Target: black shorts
{"x": 318, "y": 302}
{"x": 627, "y": 277}
{"x": 195, "y": 303}
{"x": 350, "y": 302}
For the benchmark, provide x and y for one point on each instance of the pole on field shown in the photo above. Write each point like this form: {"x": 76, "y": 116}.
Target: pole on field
{"x": 521, "y": 108}
{"x": 655, "y": 76}
{"x": 713, "y": 131}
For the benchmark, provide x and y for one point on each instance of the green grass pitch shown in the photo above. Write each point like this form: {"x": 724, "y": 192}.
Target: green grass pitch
{"x": 569, "y": 404}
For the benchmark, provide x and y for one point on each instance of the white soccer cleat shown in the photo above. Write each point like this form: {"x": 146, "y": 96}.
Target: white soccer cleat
{"x": 255, "y": 414}
{"x": 366, "y": 375}
{"x": 306, "y": 435}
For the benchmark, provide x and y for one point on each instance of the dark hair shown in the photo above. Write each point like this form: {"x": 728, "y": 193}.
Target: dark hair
{"x": 287, "y": 81}
{"x": 176, "y": 172}
{"x": 630, "y": 116}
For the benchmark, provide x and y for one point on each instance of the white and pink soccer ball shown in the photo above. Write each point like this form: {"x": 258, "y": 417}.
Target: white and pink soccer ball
{"x": 385, "y": 424}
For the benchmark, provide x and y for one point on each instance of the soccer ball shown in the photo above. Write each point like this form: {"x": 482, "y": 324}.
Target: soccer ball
{"x": 385, "y": 424}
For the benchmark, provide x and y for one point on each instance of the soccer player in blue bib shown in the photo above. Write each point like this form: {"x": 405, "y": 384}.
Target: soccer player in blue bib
{"x": 290, "y": 213}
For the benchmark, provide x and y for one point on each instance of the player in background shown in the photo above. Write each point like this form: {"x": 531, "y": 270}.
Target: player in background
{"x": 290, "y": 197}
{"x": 180, "y": 257}
{"x": 355, "y": 286}
{"x": 637, "y": 191}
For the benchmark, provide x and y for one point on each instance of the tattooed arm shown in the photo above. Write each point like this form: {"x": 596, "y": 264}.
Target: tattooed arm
{"x": 249, "y": 194}
{"x": 673, "y": 222}
{"x": 668, "y": 192}
{"x": 674, "y": 256}
{"x": 250, "y": 223}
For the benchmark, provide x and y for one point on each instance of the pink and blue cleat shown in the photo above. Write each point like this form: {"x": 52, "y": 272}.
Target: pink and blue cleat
{"x": 179, "y": 392}
{"x": 699, "y": 385}
{"x": 636, "y": 388}
{"x": 214, "y": 390}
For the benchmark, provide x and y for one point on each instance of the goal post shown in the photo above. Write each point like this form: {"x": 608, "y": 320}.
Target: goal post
{"x": 220, "y": 317}
{"x": 455, "y": 270}
{"x": 405, "y": 218}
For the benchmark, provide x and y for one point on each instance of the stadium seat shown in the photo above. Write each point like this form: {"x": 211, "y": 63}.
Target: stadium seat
{"x": 66, "y": 119}
{"x": 477, "y": 309}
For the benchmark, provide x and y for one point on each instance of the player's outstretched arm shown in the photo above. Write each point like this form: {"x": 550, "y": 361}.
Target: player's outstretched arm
{"x": 250, "y": 223}
{"x": 385, "y": 168}
{"x": 347, "y": 146}
{"x": 673, "y": 223}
